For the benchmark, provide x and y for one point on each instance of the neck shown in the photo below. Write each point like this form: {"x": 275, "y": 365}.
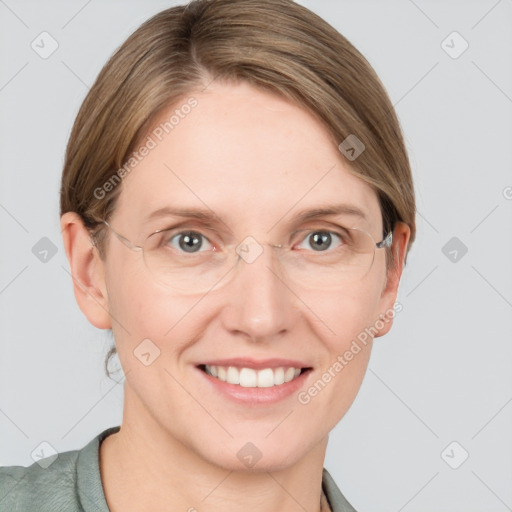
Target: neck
{"x": 143, "y": 467}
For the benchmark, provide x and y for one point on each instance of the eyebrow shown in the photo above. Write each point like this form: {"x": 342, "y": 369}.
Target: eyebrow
{"x": 211, "y": 218}
{"x": 337, "y": 209}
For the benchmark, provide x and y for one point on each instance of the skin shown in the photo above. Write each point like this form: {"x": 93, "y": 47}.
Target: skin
{"x": 255, "y": 160}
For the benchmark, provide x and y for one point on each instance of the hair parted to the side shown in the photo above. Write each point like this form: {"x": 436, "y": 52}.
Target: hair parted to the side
{"x": 277, "y": 45}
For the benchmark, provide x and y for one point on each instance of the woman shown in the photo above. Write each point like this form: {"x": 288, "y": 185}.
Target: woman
{"x": 237, "y": 206}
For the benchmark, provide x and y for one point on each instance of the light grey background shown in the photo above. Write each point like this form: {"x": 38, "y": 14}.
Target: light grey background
{"x": 444, "y": 372}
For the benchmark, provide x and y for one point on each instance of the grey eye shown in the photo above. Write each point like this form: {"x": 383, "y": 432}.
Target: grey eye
{"x": 322, "y": 240}
{"x": 188, "y": 241}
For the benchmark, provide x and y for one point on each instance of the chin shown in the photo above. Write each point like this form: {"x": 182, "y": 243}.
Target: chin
{"x": 260, "y": 455}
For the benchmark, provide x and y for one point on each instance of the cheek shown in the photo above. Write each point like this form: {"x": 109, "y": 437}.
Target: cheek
{"x": 142, "y": 310}
{"x": 346, "y": 320}
{"x": 346, "y": 314}
{"x": 139, "y": 308}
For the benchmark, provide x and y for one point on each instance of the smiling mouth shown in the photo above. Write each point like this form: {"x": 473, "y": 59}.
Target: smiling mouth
{"x": 251, "y": 378}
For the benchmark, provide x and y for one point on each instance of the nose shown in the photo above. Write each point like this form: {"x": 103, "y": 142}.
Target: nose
{"x": 259, "y": 305}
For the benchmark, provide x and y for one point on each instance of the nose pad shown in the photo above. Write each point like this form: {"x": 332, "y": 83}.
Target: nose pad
{"x": 250, "y": 250}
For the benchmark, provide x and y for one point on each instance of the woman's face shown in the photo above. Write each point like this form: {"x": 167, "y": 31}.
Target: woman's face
{"x": 255, "y": 161}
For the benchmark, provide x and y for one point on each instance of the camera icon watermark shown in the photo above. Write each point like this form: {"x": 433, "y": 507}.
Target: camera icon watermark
{"x": 249, "y": 455}
{"x": 44, "y": 250}
{"x": 249, "y": 249}
{"x": 44, "y": 454}
{"x": 454, "y": 455}
{"x": 146, "y": 352}
{"x": 454, "y": 45}
{"x": 454, "y": 249}
{"x": 507, "y": 193}
{"x": 44, "y": 45}
{"x": 351, "y": 147}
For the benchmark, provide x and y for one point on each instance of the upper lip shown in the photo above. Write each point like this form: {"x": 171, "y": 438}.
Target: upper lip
{"x": 242, "y": 362}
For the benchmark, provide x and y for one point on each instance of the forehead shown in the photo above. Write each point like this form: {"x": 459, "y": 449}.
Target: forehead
{"x": 243, "y": 154}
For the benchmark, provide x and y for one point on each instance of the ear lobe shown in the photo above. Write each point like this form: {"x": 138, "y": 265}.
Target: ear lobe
{"x": 87, "y": 271}
{"x": 401, "y": 235}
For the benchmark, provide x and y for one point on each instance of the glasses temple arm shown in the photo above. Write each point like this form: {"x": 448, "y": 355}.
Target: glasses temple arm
{"x": 387, "y": 241}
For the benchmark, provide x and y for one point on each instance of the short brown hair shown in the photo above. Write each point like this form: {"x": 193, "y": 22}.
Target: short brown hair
{"x": 277, "y": 45}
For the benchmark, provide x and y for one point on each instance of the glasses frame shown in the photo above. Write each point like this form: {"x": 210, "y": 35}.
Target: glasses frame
{"x": 386, "y": 242}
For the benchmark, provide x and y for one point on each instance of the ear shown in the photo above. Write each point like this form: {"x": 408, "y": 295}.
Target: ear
{"x": 401, "y": 235}
{"x": 87, "y": 270}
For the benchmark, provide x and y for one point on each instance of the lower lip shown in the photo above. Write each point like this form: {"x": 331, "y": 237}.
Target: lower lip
{"x": 254, "y": 396}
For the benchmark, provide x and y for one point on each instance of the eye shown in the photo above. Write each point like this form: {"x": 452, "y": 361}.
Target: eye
{"x": 188, "y": 241}
{"x": 322, "y": 240}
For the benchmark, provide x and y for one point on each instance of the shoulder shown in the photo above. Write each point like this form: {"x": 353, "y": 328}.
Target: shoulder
{"x": 60, "y": 483}
{"x": 50, "y": 488}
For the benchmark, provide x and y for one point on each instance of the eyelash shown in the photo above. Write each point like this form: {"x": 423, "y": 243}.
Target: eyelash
{"x": 309, "y": 232}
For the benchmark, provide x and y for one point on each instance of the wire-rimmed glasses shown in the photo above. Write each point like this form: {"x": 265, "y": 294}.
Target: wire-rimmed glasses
{"x": 317, "y": 259}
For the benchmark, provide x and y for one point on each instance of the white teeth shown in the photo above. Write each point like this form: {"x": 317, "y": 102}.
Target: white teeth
{"x": 250, "y": 378}
{"x": 233, "y": 375}
{"x": 266, "y": 378}
{"x": 278, "y": 376}
{"x": 221, "y": 373}
{"x": 289, "y": 374}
